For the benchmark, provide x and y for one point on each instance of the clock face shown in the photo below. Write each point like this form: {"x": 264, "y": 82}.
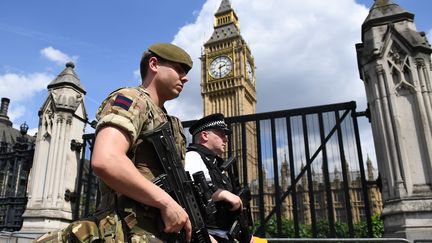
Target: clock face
{"x": 249, "y": 72}
{"x": 220, "y": 67}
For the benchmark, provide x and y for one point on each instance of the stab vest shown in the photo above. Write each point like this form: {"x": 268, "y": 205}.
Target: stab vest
{"x": 212, "y": 162}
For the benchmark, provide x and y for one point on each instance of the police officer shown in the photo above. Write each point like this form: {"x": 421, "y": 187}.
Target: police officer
{"x": 125, "y": 162}
{"x": 204, "y": 154}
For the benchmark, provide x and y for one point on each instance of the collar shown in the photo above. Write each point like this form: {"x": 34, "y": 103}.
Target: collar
{"x": 207, "y": 153}
{"x": 201, "y": 149}
{"x": 141, "y": 87}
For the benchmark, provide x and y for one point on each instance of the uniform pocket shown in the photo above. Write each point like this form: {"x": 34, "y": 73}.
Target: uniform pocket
{"x": 111, "y": 230}
{"x": 144, "y": 237}
{"x": 83, "y": 231}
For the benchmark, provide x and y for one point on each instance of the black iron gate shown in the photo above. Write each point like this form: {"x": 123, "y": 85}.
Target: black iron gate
{"x": 286, "y": 157}
{"x": 15, "y": 163}
{"x": 85, "y": 198}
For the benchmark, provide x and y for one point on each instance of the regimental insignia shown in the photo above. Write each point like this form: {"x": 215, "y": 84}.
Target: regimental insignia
{"x": 123, "y": 102}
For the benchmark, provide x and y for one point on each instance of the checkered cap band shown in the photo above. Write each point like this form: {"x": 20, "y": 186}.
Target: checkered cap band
{"x": 219, "y": 124}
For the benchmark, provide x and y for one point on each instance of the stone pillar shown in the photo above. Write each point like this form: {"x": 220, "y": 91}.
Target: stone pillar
{"x": 395, "y": 64}
{"x": 61, "y": 119}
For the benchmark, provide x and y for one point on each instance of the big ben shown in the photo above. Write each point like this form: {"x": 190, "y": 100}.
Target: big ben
{"x": 228, "y": 83}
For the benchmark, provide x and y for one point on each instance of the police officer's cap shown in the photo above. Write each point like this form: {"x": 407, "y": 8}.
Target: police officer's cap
{"x": 213, "y": 121}
{"x": 172, "y": 53}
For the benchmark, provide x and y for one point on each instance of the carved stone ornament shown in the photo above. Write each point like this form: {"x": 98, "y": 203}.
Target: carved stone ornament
{"x": 401, "y": 84}
{"x": 397, "y": 55}
{"x": 46, "y": 135}
{"x": 400, "y": 69}
{"x": 49, "y": 114}
{"x": 69, "y": 119}
{"x": 60, "y": 118}
{"x": 420, "y": 63}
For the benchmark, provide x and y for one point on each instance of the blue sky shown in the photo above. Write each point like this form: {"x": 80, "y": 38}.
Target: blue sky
{"x": 304, "y": 50}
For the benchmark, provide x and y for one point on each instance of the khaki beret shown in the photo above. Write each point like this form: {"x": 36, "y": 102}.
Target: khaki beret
{"x": 172, "y": 53}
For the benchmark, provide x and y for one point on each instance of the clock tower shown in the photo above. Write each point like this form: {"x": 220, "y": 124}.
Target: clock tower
{"x": 228, "y": 82}
{"x": 228, "y": 70}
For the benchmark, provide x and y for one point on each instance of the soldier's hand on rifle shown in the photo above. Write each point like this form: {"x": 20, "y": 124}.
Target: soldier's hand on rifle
{"x": 175, "y": 219}
{"x": 224, "y": 195}
{"x": 213, "y": 240}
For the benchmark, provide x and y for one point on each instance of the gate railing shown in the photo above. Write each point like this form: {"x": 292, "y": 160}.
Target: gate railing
{"x": 15, "y": 163}
{"x": 299, "y": 187}
{"x": 86, "y": 192}
{"x": 11, "y": 209}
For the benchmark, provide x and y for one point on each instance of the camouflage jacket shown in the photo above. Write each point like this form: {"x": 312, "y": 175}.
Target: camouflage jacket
{"x": 133, "y": 111}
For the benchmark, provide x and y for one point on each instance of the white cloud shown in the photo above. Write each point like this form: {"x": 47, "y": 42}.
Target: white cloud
{"x": 16, "y": 111}
{"x": 20, "y": 89}
{"x": 32, "y": 131}
{"x": 183, "y": 110}
{"x": 189, "y": 106}
{"x": 57, "y": 56}
{"x": 137, "y": 74}
{"x": 304, "y": 51}
{"x": 304, "y": 54}
{"x": 24, "y": 85}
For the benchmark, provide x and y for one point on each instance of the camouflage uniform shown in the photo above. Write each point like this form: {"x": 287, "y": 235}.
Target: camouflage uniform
{"x": 132, "y": 111}
{"x": 107, "y": 229}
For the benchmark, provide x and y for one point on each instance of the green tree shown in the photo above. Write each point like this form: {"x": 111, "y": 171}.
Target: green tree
{"x": 323, "y": 229}
{"x": 341, "y": 230}
{"x": 361, "y": 231}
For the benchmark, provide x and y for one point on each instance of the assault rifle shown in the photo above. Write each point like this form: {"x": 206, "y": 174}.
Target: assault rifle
{"x": 204, "y": 195}
{"x": 176, "y": 181}
{"x": 240, "y": 227}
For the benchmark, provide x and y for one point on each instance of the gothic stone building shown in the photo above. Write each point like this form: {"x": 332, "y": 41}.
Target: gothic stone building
{"x": 16, "y": 158}
{"x": 338, "y": 197}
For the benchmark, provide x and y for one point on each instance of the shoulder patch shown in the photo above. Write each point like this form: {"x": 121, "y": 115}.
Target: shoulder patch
{"x": 123, "y": 102}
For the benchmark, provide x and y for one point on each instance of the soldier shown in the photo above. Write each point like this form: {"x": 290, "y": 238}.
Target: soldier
{"x": 126, "y": 163}
{"x": 204, "y": 154}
